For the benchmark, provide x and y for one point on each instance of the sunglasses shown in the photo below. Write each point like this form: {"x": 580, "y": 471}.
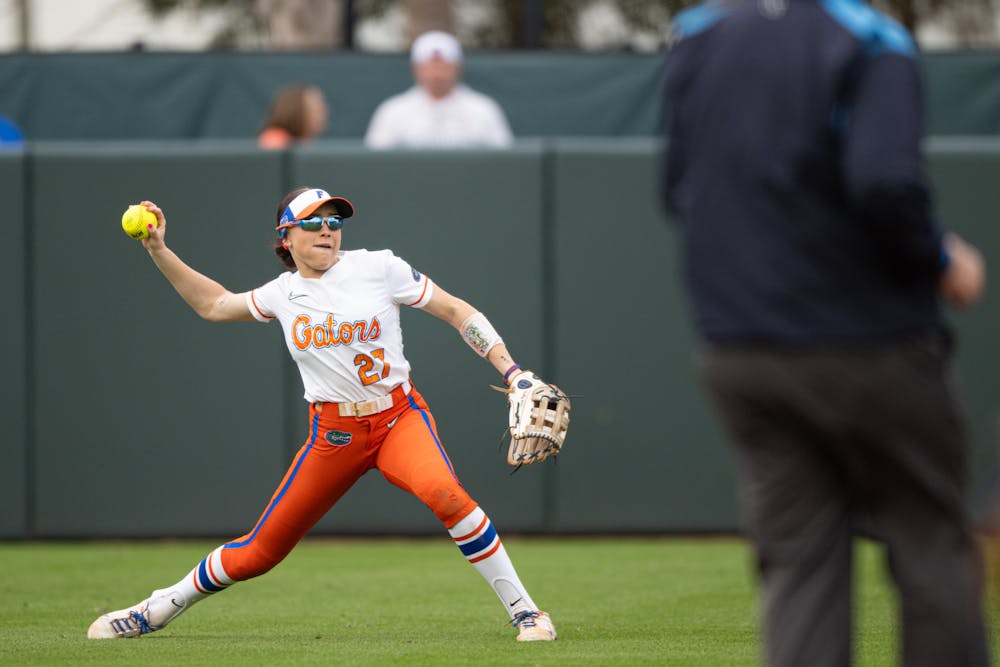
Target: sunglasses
{"x": 315, "y": 223}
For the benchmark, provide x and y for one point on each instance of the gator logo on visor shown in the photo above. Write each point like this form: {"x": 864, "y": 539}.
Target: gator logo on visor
{"x": 338, "y": 438}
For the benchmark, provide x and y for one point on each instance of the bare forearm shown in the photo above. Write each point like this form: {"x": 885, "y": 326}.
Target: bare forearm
{"x": 199, "y": 291}
{"x": 477, "y": 331}
{"x": 501, "y": 358}
{"x": 461, "y": 315}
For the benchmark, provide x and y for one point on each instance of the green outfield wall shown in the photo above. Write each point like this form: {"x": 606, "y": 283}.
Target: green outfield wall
{"x": 126, "y": 415}
{"x": 100, "y": 96}
{"x": 15, "y": 467}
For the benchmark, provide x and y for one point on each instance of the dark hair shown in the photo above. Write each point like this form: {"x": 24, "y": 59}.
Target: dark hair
{"x": 288, "y": 110}
{"x": 279, "y": 248}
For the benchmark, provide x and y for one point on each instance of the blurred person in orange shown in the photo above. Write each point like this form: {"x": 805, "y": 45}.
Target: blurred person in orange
{"x": 298, "y": 113}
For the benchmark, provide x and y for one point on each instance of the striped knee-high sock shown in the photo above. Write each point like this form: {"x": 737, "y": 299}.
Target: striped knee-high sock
{"x": 206, "y": 578}
{"x": 479, "y": 542}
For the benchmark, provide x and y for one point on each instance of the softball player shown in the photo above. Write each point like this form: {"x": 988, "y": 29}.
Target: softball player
{"x": 340, "y": 314}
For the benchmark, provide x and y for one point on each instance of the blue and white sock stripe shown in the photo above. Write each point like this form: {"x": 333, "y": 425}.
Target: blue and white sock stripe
{"x": 210, "y": 576}
{"x": 481, "y": 541}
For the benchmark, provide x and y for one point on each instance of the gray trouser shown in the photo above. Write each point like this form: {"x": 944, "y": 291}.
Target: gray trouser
{"x": 834, "y": 441}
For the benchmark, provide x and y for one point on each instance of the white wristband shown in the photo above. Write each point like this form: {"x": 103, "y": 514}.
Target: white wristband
{"x": 477, "y": 331}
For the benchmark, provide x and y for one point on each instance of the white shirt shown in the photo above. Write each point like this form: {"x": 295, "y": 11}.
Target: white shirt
{"x": 414, "y": 119}
{"x": 342, "y": 329}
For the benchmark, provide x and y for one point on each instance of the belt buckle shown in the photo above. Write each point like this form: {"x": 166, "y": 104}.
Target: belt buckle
{"x": 356, "y": 409}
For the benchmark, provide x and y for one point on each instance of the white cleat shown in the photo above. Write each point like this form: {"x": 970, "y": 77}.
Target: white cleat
{"x": 534, "y": 626}
{"x": 161, "y": 607}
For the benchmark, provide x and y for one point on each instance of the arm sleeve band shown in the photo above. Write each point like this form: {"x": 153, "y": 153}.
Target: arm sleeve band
{"x": 477, "y": 331}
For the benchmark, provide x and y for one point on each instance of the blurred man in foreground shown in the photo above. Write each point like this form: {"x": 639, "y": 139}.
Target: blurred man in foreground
{"x": 815, "y": 270}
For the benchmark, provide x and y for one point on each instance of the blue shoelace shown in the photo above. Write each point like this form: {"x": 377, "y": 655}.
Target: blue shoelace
{"x": 139, "y": 620}
{"x": 524, "y": 616}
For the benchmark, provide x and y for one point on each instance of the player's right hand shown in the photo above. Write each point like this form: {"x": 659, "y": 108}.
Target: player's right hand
{"x": 157, "y": 233}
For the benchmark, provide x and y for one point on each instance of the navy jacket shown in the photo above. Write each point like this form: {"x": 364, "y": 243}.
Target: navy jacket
{"x": 794, "y": 168}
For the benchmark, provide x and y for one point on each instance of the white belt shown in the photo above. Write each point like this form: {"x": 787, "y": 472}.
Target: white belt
{"x": 372, "y": 407}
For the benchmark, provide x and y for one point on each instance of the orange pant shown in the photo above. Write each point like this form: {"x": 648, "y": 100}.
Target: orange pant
{"x": 402, "y": 442}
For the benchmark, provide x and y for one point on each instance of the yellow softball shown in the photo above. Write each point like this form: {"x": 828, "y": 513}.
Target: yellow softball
{"x": 136, "y": 221}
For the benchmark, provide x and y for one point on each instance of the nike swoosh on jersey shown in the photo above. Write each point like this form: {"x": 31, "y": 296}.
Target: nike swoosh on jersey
{"x": 292, "y": 296}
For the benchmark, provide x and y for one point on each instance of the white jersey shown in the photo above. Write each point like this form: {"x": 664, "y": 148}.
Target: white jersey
{"x": 414, "y": 119}
{"x": 343, "y": 329}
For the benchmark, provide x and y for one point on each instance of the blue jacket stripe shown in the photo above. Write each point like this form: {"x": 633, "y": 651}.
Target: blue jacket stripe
{"x": 480, "y": 543}
{"x": 876, "y": 30}
{"x": 313, "y": 431}
{"x": 697, "y": 19}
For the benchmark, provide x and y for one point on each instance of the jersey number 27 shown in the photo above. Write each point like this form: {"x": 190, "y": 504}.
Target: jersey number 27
{"x": 366, "y": 366}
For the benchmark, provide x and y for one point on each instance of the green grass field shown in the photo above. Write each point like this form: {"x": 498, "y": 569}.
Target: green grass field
{"x": 615, "y": 601}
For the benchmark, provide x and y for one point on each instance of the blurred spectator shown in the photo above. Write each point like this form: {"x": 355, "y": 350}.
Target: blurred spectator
{"x": 10, "y": 133}
{"x": 298, "y": 113}
{"x": 439, "y": 111}
{"x": 817, "y": 270}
